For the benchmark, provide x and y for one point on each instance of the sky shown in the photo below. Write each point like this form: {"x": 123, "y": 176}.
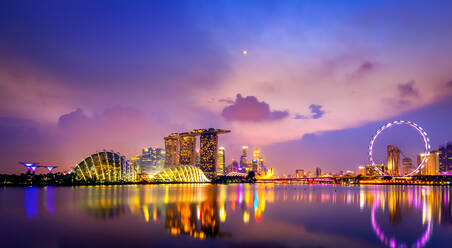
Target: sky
{"x": 317, "y": 80}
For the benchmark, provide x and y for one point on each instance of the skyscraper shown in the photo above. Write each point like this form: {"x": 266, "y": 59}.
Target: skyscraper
{"x": 151, "y": 159}
{"x": 209, "y": 151}
{"x": 172, "y": 150}
{"x": 407, "y": 165}
{"x": 299, "y": 173}
{"x": 244, "y": 157}
{"x": 221, "y": 160}
{"x": 187, "y": 149}
{"x": 393, "y": 160}
{"x": 361, "y": 170}
{"x": 180, "y": 149}
{"x": 431, "y": 165}
{"x": 445, "y": 157}
{"x": 318, "y": 172}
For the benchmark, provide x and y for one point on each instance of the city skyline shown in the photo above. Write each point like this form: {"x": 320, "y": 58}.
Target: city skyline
{"x": 307, "y": 83}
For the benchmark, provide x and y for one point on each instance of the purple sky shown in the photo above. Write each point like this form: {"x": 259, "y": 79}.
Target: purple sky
{"x": 318, "y": 79}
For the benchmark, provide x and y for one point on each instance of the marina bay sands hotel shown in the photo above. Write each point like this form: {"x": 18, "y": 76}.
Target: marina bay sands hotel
{"x": 180, "y": 149}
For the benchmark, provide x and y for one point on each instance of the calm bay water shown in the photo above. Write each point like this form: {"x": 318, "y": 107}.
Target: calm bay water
{"x": 241, "y": 215}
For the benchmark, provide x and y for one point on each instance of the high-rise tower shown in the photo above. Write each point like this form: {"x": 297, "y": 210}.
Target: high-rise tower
{"x": 393, "y": 160}
{"x": 172, "y": 150}
{"x": 187, "y": 150}
{"x": 244, "y": 157}
{"x": 445, "y": 157}
{"x": 209, "y": 150}
{"x": 407, "y": 165}
{"x": 431, "y": 165}
{"x": 221, "y": 159}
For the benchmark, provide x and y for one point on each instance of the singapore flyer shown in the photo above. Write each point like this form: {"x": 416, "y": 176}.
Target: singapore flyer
{"x": 418, "y": 128}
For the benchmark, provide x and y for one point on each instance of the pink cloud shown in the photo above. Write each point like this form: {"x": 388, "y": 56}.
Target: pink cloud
{"x": 249, "y": 109}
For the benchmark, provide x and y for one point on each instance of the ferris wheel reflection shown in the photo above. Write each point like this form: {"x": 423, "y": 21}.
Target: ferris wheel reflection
{"x": 421, "y": 199}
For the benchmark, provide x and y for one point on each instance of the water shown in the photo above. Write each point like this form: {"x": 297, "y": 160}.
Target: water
{"x": 243, "y": 215}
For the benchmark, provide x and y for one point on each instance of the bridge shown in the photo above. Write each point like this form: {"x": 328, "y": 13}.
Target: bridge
{"x": 313, "y": 180}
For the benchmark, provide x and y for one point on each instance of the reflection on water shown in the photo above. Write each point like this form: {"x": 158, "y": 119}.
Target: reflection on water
{"x": 221, "y": 211}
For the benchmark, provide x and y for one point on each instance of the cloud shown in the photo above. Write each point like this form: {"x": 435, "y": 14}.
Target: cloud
{"x": 408, "y": 90}
{"x": 73, "y": 119}
{"x": 249, "y": 109}
{"x": 300, "y": 117}
{"x": 227, "y": 100}
{"x": 365, "y": 67}
{"x": 449, "y": 84}
{"x": 316, "y": 111}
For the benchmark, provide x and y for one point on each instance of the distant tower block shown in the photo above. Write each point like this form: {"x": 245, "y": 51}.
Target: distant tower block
{"x": 393, "y": 160}
{"x": 187, "y": 149}
{"x": 221, "y": 161}
{"x": 172, "y": 150}
{"x": 209, "y": 150}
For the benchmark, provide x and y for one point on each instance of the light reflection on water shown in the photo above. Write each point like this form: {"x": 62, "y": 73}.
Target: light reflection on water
{"x": 223, "y": 215}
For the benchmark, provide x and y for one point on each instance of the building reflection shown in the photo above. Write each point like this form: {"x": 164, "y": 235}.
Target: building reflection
{"x": 201, "y": 210}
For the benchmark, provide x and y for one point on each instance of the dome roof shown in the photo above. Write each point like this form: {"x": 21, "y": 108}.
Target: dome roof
{"x": 181, "y": 173}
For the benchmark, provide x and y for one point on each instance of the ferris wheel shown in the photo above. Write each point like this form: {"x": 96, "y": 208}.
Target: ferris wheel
{"x": 418, "y": 128}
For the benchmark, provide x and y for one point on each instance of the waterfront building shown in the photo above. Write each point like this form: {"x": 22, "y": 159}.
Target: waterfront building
{"x": 234, "y": 165}
{"x": 261, "y": 164}
{"x": 209, "y": 150}
{"x": 318, "y": 172}
{"x": 361, "y": 170}
{"x": 151, "y": 159}
{"x": 299, "y": 173}
{"x": 310, "y": 175}
{"x": 171, "y": 150}
{"x": 370, "y": 170}
{"x": 187, "y": 151}
{"x": 106, "y": 166}
{"x": 181, "y": 173}
{"x": 221, "y": 160}
{"x": 255, "y": 161}
{"x": 255, "y": 165}
{"x": 393, "y": 160}
{"x": 244, "y": 158}
{"x": 431, "y": 165}
{"x": 135, "y": 161}
{"x": 445, "y": 158}
{"x": 407, "y": 165}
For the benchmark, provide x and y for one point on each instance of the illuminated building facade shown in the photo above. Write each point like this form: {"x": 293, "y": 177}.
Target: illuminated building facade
{"x": 431, "y": 165}
{"x": 393, "y": 160}
{"x": 370, "y": 170}
{"x": 152, "y": 159}
{"x": 182, "y": 174}
{"x": 244, "y": 157}
{"x": 407, "y": 165}
{"x": 187, "y": 153}
{"x": 318, "y": 172}
{"x": 299, "y": 173}
{"x": 181, "y": 149}
{"x": 221, "y": 159}
{"x": 103, "y": 167}
{"x": 171, "y": 150}
{"x": 209, "y": 153}
{"x": 445, "y": 157}
{"x": 362, "y": 170}
{"x": 255, "y": 165}
{"x": 256, "y": 153}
